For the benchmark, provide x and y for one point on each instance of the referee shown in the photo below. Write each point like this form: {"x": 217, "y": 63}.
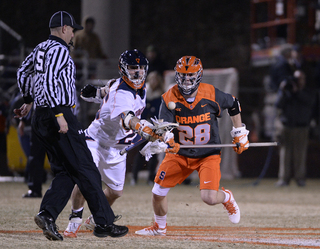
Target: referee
{"x": 47, "y": 78}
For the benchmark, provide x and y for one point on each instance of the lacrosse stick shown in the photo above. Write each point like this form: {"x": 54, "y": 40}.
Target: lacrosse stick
{"x": 159, "y": 128}
{"x": 227, "y": 145}
{"x": 131, "y": 146}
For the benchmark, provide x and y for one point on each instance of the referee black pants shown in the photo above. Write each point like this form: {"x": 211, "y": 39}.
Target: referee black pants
{"x": 71, "y": 163}
{"x": 35, "y": 165}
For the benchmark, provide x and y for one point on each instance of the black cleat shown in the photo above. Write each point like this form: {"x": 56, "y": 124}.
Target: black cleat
{"x": 31, "y": 194}
{"x": 48, "y": 226}
{"x": 110, "y": 230}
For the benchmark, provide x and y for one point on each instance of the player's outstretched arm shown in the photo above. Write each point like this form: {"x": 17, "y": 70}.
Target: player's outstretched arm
{"x": 91, "y": 93}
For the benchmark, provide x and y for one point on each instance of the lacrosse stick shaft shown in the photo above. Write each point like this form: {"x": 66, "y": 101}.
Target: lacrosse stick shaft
{"x": 264, "y": 144}
{"x": 130, "y": 147}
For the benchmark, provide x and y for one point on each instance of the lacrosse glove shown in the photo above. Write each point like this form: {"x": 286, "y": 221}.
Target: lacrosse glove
{"x": 172, "y": 146}
{"x": 240, "y": 138}
{"x": 145, "y": 130}
{"x": 152, "y": 148}
{"x": 91, "y": 93}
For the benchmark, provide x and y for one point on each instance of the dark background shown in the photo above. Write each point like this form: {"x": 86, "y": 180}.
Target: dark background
{"x": 218, "y": 32}
{"x": 30, "y": 19}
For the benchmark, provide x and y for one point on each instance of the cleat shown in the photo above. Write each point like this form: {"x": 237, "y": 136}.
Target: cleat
{"x": 232, "y": 208}
{"x": 73, "y": 228}
{"x": 48, "y": 226}
{"x": 32, "y": 194}
{"x": 110, "y": 230}
{"x": 154, "y": 230}
{"x": 90, "y": 224}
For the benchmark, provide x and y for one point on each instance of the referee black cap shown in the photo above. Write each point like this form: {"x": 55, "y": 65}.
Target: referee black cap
{"x": 62, "y": 18}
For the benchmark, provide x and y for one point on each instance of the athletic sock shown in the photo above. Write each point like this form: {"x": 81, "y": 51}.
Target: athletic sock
{"x": 161, "y": 221}
{"x": 77, "y": 210}
{"x": 227, "y": 196}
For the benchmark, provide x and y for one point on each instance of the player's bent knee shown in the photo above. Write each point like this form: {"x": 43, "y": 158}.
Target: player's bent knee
{"x": 113, "y": 194}
{"x": 160, "y": 191}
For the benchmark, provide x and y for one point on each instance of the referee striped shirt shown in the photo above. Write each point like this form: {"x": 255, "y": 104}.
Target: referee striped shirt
{"x": 47, "y": 75}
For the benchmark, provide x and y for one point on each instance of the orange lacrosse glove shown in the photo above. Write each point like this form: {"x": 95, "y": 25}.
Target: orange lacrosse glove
{"x": 172, "y": 146}
{"x": 240, "y": 138}
{"x": 169, "y": 140}
{"x": 145, "y": 131}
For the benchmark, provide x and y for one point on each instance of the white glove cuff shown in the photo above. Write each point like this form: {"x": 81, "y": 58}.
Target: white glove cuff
{"x": 167, "y": 136}
{"x": 237, "y": 132}
{"x": 98, "y": 93}
{"x": 152, "y": 148}
{"x": 92, "y": 99}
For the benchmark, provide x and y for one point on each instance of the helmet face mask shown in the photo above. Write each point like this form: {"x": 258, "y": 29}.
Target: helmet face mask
{"x": 133, "y": 68}
{"x": 188, "y": 74}
{"x": 136, "y": 74}
{"x": 187, "y": 81}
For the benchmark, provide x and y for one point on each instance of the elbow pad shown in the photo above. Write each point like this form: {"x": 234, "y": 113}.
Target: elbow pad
{"x": 235, "y": 109}
{"x": 125, "y": 119}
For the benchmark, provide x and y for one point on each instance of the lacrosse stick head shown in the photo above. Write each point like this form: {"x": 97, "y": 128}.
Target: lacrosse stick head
{"x": 161, "y": 127}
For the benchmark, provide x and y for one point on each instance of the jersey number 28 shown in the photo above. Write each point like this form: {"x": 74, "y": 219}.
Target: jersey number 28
{"x": 200, "y": 134}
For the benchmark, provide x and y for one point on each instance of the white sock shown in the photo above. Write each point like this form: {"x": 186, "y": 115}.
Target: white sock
{"x": 227, "y": 196}
{"x": 161, "y": 221}
{"x": 77, "y": 210}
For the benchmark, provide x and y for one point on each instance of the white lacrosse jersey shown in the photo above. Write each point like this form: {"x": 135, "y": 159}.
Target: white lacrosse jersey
{"x": 106, "y": 129}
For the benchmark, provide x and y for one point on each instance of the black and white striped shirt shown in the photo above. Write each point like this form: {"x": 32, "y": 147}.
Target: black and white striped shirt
{"x": 47, "y": 75}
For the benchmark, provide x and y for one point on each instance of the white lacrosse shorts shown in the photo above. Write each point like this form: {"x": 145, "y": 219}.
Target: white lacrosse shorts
{"x": 111, "y": 166}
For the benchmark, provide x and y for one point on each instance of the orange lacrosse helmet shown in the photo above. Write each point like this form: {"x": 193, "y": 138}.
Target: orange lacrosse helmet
{"x": 189, "y": 72}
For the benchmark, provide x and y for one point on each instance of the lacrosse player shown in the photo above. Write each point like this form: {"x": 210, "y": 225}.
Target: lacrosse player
{"x": 197, "y": 106}
{"x": 116, "y": 125}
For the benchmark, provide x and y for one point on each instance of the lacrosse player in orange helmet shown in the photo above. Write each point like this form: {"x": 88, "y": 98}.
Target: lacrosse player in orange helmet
{"x": 197, "y": 107}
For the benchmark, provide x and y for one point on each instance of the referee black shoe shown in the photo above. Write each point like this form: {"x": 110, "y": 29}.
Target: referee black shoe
{"x": 48, "y": 226}
{"x": 110, "y": 230}
{"x": 32, "y": 194}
